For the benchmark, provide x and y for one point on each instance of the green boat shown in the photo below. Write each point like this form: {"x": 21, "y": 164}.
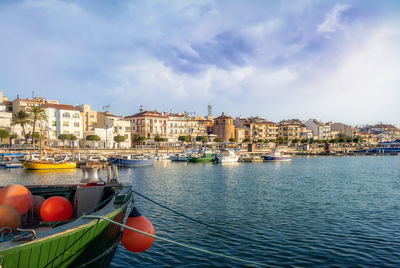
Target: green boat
{"x": 80, "y": 242}
{"x": 206, "y": 157}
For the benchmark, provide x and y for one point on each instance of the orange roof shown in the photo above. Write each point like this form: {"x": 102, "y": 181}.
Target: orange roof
{"x": 147, "y": 114}
{"x": 61, "y": 106}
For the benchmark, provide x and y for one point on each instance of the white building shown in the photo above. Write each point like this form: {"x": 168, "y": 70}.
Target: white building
{"x": 177, "y": 125}
{"x": 320, "y": 131}
{"x": 63, "y": 119}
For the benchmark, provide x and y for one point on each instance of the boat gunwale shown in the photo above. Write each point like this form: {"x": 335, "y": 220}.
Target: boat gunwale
{"x": 75, "y": 225}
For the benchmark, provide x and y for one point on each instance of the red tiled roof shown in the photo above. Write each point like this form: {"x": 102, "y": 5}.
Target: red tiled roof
{"x": 61, "y": 106}
{"x": 147, "y": 114}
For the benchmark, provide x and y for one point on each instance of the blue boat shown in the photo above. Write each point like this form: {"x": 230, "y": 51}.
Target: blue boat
{"x": 131, "y": 160}
{"x": 387, "y": 147}
{"x": 276, "y": 156}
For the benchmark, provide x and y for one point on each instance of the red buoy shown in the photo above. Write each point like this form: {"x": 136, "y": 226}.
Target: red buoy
{"x": 134, "y": 241}
{"x": 56, "y": 208}
{"x": 16, "y": 196}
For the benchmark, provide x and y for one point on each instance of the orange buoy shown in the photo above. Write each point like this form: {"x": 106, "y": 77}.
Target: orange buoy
{"x": 134, "y": 241}
{"x": 16, "y": 196}
{"x": 56, "y": 208}
{"x": 9, "y": 217}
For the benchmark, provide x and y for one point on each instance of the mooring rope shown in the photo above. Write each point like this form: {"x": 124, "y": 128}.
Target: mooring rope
{"x": 175, "y": 242}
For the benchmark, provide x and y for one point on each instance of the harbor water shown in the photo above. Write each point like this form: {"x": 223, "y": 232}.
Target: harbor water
{"x": 316, "y": 211}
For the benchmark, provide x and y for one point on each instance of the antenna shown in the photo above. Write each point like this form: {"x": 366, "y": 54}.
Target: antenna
{"x": 209, "y": 110}
{"x": 105, "y": 107}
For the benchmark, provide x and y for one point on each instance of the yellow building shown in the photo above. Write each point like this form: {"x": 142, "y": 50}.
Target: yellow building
{"x": 290, "y": 129}
{"x": 224, "y": 127}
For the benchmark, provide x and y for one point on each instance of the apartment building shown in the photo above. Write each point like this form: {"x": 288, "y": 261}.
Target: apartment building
{"x": 62, "y": 119}
{"x": 148, "y": 124}
{"x": 290, "y": 129}
{"x": 320, "y": 131}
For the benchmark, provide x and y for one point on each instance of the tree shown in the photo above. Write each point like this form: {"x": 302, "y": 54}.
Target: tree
{"x": 21, "y": 118}
{"x": 35, "y": 136}
{"x": 217, "y": 140}
{"x": 304, "y": 141}
{"x": 4, "y": 134}
{"x": 356, "y": 139}
{"x": 232, "y": 140}
{"x": 64, "y": 137}
{"x": 246, "y": 140}
{"x": 281, "y": 140}
{"x": 203, "y": 139}
{"x": 119, "y": 138}
{"x": 260, "y": 141}
{"x": 93, "y": 138}
{"x": 36, "y": 113}
{"x": 12, "y": 137}
{"x": 295, "y": 141}
{"x": 183, "y": 138}
{"x": 139, "y": 138}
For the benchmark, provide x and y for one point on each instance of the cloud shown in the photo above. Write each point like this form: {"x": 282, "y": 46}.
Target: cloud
{"x": 274, "y": 59}
{"x": 332, "y": 19}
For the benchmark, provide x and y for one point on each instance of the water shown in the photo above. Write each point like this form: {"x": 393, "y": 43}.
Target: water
{"x": 322, "y": 211}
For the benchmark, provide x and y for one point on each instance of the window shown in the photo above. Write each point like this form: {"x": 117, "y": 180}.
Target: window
{"x": 76, "y": 133}
{"x": 66, "y": 114}
{"x": 65, "y": 132}
{"x": 76, "y": 124}
{"x": 54, "y": 133}
{"x": 54, "y": 123}
{"x": 76, "y": 115}
{"x": 65, "y": 124}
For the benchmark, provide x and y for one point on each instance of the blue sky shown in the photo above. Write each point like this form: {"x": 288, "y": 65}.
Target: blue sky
{"x": 329, "y": 60}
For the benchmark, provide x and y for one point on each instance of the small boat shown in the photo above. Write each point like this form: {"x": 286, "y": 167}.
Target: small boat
{"x": 162, "y": 157}
{"x": 276, "y": 157}
{"x": 40, "y": 165}
{"x": 387, "y": 147}
{"x": 13, "y": 165}
{"x": 203, "y": 155}
{"x": 226, "y": 156}
{"x": 79, "y": 242}
{"x": 179, "y": 157}
{"x": 131, "y": 160}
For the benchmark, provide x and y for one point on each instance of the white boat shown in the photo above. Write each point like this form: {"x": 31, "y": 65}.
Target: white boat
{"x": 179, "y": 157}
{"x": 162, "y": 157}
{"x": 226, "y": 156}
{"x": 276, "y": 157}
{"x": 13, "y": 165}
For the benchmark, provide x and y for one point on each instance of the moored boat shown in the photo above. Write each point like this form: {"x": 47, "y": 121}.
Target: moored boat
{"x": 226, "y": 156}
{"x": 79, "y": 242}
{"x": 203, "y": 155}
{"x": 182, "y": 157}
{"x": 386, "y": 147}
{"x": 276, "y": 156}
{"x": 40, "y": 165}
{"x": 131, "y": 160}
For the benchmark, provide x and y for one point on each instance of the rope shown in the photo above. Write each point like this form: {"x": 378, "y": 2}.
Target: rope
{"x": 176, "y": 243}
{"x": 5, "y": 234}
{"x": 252, "y": 239}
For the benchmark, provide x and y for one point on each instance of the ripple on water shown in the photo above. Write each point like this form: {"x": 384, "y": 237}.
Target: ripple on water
{"x": 321, "y": 211}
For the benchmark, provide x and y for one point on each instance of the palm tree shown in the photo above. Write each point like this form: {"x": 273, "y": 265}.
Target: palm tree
{"x": 21, "y": 118}
{"x": 36, "y": 113}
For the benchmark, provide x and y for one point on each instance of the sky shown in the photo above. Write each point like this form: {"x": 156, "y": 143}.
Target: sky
{"x": 330, "y": 60}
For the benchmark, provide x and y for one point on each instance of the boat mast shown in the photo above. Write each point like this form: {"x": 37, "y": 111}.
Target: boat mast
{"x": 41, "y": 143}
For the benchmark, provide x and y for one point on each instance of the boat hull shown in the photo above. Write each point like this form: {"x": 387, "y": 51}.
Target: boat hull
{"x": 268, "y": 158}
{"x": 50, "y": 165}
{"x": 81, "y": 243}
{"x": 131, "y": 162}
{"x": 200, "y": 159}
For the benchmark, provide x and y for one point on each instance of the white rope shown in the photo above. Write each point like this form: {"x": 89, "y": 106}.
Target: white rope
{"x": 174, "y": 242}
